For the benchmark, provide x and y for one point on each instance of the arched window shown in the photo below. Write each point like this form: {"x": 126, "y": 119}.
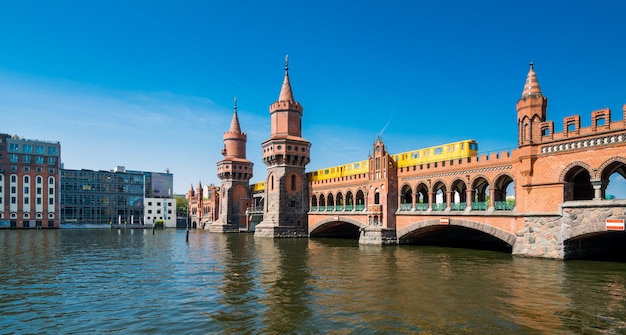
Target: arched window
{"x": 293, "y": 182}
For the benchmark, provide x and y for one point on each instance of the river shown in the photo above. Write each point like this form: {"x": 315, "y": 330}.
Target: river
{"x": 97, "y": 281}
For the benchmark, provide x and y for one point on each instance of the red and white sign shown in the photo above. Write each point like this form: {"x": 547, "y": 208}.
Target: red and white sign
{"x": 444, "y": 221}
{"x": 615, "y": 224}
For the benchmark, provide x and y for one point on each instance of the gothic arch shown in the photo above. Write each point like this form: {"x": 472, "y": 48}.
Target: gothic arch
{"x": 611, "y": 166}
{"x": 485, "y": 228}
{"x": 572, "y": 165}
{"x": 577, "y": 182}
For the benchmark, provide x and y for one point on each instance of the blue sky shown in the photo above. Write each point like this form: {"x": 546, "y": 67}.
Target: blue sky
{"x": 150, "y": 84}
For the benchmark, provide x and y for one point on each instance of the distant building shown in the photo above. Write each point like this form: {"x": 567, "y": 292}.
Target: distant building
{"x": 203, "y": 206}
{"x": 29, "y": 183}
{"x": 118, "y": 196}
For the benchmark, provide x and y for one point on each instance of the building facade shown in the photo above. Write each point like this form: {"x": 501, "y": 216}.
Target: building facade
{"x": 29, "y": 182}
{"x": 117, "y": 196}
{"x": 203, "y": 205}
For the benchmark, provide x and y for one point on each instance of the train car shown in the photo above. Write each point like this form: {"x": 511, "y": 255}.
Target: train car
{"x": 323, "y": 174}
{"x": 258, "y": 187}
{"x": 355, "y": 168}
{"x": 443, "y": 152}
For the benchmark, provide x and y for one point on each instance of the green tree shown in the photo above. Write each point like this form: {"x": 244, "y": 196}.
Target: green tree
{"x": 182, "y": 204}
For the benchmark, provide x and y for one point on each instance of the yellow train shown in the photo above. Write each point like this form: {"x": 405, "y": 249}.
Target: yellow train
{"x": 345, "y": 170}
{"x": 438, "y": 153}
{"x": 443, "y": 152}
{"x": 258, "y": 187}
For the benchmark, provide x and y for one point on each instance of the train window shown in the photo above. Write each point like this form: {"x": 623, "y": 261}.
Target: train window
{"x": 326, "y": 171}
{"x": 473, "y": 146}
{"x": 438, "y": 151}
{"x": 415, "y": 155}
{"x": 356, "y": 166}
{"x": 462, "y": 146}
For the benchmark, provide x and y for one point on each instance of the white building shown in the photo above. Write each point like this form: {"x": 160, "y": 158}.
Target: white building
{"x": 160, "y": 209}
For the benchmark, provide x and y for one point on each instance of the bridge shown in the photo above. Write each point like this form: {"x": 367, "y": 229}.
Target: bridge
{"x": 556, "y": 195}
{"x": 549, "y": 197}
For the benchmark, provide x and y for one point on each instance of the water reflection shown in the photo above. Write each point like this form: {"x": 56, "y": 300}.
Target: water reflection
{"x": 125, "y": 281}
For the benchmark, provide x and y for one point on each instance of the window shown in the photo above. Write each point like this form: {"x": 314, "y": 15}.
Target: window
{"x": 13, "y": 189}
{"x": 51, "y": 191}
{"x": 38, "y": 159}
{"x": 13, "y": 178}
{"x": 26, "y": 179}
{"x": 39, "y": 179}
{"x": 52, "y": 160}
{"x": 39, "y": 149}
{"x": 26, "y": 169}
{"x": 149, "y": 203}
{"x": 51, "y": 180}
{"x": 14, "y": 147}
{"x": 51, "y": 170}
{"x": 149, "y": 211}
{"x": 13, "y": 200}
{"x": 27, "y": 148}
{"x": 26, "y": 200}
{"x": 38, "y": 201}
{"x": 13, "y": 158}
{"x": 438, "y": 151}
{"x": 415, "y": 155}
{"x": 51, "y": 201}
{"x": 52, "y": 150}
{"x": 26, "y": 189}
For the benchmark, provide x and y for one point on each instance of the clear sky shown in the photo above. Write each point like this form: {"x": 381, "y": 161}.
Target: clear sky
{"x": 150, "y": 84}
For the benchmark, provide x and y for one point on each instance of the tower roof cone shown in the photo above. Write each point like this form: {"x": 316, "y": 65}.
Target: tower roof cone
{"x": 285, "y": 92}
{"x": 531, "y": 87}
{"x": 234, "y": 124}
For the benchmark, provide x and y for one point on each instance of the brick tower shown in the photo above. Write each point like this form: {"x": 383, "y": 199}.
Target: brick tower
{"x": 235, "y": 172}
{"x": 531, "y": 115}
{"x": 286, "y": 155}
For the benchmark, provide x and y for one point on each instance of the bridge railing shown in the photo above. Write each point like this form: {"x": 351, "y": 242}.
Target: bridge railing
{"x": 439, "y": 207}
{"x": 480, "y": 206}
{"x": 504, "y": 205}
{"x": 406, "y": 207}
{"x": 421, "y": 207}
{"x": 458, "y": 206}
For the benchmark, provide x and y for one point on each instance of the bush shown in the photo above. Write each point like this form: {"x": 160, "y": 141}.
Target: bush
{"x": 159, "y": 223}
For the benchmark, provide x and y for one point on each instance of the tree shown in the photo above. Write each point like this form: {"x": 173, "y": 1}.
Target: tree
{"x": 182, "y": 204}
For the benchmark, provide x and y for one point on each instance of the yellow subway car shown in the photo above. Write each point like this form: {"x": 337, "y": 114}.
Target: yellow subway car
{"x": 443, "y": 152}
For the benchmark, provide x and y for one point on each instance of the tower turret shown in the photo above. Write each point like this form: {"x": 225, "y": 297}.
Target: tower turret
{"x": 286, "y": 154}
{"x": 235, "y": 172}
{"x": 531, "y": 110}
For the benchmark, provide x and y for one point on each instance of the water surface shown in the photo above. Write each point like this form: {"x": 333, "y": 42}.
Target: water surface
{"x": 95, "y": 281}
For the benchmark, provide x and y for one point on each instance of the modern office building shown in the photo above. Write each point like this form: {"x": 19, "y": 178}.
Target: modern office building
{"x": 117, "y": 196}
{"x": 29, "y": 182}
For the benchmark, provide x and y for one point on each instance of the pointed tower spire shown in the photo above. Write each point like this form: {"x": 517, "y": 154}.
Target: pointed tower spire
{"x": 285, "y": 92}
{"x": 531, "y": 87}
{"x": 234, "y": 124}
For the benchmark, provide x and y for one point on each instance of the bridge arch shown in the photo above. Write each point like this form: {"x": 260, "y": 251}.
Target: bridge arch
{"x": 577, "y": 182}
{"x": 330, "y": 201}
{"x": 459, "y": 190}
{"x": 505, "y": 240}
{"x": 567, "y": 171}
{"x": 406, "y": 196}
{"x": 337, "y": 226}
{"x": 610, "y": 172}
